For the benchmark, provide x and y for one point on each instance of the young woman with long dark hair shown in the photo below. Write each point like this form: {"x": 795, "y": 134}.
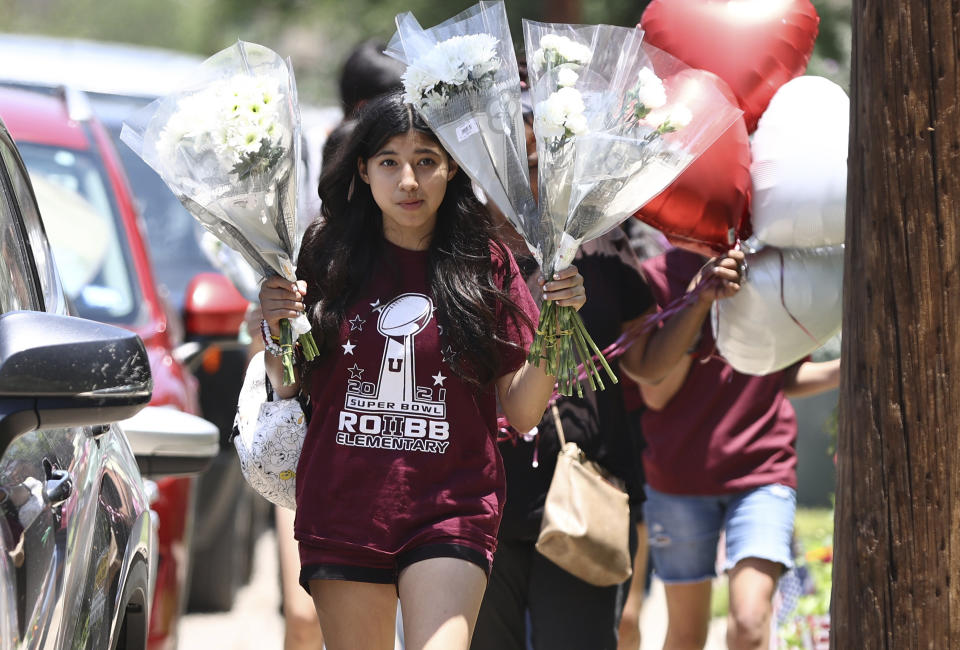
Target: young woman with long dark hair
{"x": 423, "y": 322}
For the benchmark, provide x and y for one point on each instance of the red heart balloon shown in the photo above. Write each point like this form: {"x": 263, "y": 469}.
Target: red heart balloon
{"x": 705, "y": 208}
{"x": 756, "y": 46}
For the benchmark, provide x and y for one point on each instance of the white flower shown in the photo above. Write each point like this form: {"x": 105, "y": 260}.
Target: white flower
{"x": 566, "y": 77}
{"x": 577, "y": 124}
{"x": 671, "y": 118}
{"x": 680, "y": 116}
{"x": 650, "y": 90}
{"x": 559, "y": 50}
{"x": 455, "y": 62}
{"x": 560, "y": 114}
{"x": 416, "y": 82}
{"x": 231, "y": 118}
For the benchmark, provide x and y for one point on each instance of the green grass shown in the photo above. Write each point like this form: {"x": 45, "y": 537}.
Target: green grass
{"x": 813, "y": 528}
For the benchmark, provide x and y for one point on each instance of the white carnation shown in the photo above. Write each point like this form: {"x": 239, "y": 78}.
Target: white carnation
{"x": 577, "y": 124}
{"x": 674, "y": 117}
{"x": 650, "y": 90}
{"x": 566, "y": 77}
{"x": 558, "y": 50}
{"x": 559, "y": 115}
{"x": 680, "y": 116}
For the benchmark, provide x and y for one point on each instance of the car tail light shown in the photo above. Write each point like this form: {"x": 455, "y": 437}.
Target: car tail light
{"x": 213, "y": 306}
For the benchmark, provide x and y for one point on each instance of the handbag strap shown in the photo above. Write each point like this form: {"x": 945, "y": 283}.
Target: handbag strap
{"x": 556, "y": 421}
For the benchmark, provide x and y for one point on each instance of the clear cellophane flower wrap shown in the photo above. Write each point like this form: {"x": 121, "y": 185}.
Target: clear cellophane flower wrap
{"x": 462, "y": 79}
{"x": 227, "y": 145}
{"x": 614, "y": 126}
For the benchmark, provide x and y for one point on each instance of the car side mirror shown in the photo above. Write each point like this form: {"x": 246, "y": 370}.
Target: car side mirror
{"x": 63, "y": 371}
{"x": 213, "y": 307}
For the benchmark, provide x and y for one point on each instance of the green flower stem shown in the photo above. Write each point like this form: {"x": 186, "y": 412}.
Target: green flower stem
{"x": 286, "y": 358}
{"x": 564, "y": 344}
{"x": 596, "y": 352}
{"x": 587, "y": 361}
{"x": 308, "y": 346}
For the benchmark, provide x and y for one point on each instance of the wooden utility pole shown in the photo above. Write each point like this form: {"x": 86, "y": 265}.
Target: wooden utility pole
{"x": 896, "y": 582}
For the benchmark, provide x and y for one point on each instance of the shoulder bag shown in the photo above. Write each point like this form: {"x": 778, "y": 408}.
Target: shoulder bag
{"x": 586, "y": 518}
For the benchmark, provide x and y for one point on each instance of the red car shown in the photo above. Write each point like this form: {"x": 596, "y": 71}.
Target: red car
{"x": 99, "y": 248}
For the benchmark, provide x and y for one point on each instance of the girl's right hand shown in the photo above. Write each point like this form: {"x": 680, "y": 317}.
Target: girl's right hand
{"x": 279, "y": 299}
{"x": 728, "y": 270}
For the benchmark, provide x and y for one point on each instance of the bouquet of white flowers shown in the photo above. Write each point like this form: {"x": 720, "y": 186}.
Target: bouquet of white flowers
{"x": 462, "y": 78}
{"x": 611, "y": 134}
{"x": 228, "y": 146}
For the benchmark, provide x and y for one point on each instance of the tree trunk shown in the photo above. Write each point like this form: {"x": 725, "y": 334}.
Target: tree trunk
{"x": 897, "y": 542}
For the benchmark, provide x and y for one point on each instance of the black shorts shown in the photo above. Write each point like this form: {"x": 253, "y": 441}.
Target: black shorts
{"x": 378, "y": 569}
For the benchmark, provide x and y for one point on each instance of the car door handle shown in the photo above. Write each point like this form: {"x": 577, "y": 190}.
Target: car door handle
{"x": 98, "y": 430}
{"x": 58, "y": 485}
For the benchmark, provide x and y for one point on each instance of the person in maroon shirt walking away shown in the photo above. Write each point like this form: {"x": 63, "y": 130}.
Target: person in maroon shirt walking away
{"x": 423, "y": 322}
{"x": 720, "y": 456}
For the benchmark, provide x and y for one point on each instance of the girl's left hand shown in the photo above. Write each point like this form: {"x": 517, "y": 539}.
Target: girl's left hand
{"x": 566, "y": 288}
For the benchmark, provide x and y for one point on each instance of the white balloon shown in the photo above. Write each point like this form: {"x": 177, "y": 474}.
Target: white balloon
{"x": 789, "y": 305}
{"x": 799, "y": 167}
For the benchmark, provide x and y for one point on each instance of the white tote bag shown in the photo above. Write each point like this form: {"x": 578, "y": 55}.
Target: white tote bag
{"x": 268, "y": 436}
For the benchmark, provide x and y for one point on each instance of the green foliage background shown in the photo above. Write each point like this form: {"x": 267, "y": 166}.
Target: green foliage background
{"x": 317, "y": 34}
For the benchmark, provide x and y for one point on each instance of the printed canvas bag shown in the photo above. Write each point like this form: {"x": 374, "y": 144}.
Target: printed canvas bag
{"x": 268, "y": 436}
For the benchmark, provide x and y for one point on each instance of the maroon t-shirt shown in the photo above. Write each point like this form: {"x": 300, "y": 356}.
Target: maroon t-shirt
{"x": 723, "y": 431}
{"x": 400, "y": 451}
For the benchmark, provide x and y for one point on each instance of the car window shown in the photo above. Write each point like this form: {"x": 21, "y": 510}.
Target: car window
{"x": 85, "y": 232}
{"x": 42, "y": 257}
{"x": 18, "y": 285}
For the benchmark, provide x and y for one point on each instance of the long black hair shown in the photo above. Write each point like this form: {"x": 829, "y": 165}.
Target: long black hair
{"x": 342, "y": 249}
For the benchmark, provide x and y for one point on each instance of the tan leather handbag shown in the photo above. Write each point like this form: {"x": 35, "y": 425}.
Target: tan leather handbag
{"x": 586, "y": 518}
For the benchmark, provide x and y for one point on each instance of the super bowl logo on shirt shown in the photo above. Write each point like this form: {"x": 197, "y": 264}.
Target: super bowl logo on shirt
{"x": 393, "y": 412}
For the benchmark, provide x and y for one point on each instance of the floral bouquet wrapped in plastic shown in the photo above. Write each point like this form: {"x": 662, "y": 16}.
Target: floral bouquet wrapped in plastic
{"x": 228, "y": 146}
{"x": 612, "y": 132}
{"x": 462, "y": 79}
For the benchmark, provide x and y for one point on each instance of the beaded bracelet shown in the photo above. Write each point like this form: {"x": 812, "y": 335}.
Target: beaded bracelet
{"x": 271, "y": 343}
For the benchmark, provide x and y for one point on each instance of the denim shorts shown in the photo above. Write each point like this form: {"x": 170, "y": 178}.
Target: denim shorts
{"x": 684, "y": 530}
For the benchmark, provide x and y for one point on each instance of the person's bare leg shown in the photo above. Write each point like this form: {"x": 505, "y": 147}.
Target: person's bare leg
{"x": 629, "y": 632}
{"x": 301, "y": 629}
{"x": 752, "y": 584}
{"x": 355, "y": 615}
{"x": 440, "y": 599}
{"x": 688, "y": 615}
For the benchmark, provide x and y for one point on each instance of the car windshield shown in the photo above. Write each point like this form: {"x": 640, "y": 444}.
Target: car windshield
{"x": 85, "y": 233}
{"x": 173, "y": 234}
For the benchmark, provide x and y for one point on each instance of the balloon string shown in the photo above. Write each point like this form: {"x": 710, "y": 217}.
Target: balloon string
{"x": 616, "y": 349}
{"x": 783, "y": 301}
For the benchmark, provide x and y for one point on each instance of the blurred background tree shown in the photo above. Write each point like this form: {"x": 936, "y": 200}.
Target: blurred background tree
{"x": 318, "y": 34}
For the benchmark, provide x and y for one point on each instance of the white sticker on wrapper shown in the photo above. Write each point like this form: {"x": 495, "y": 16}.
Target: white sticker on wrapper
{"x": 566, "y": 251}
{"x": 467, "y": 129}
